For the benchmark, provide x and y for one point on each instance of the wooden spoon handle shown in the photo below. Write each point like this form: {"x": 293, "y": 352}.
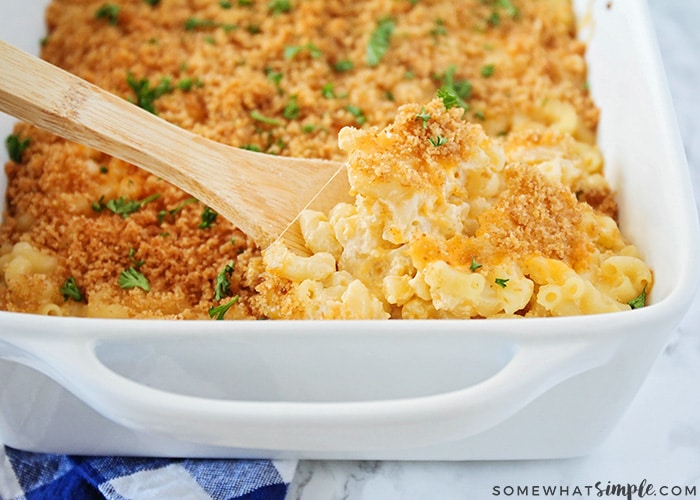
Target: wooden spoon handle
{"x": 55, "y": 100}
{"x": 257, "y": 192}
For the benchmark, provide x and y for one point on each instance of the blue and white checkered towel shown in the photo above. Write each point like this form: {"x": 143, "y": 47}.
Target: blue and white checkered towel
{"x": 34, "y": 476}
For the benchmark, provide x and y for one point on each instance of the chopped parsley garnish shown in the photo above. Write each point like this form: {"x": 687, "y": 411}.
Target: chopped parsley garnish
{"x": 424, "y": 116}
{"x": 16, "y": 147}
{"x": 152, "y": 3}
{"x": 145, "y": 95}
{"x": 70, "y": 290}
{"x": 494, "y": 19}
{"x": 475, "y": 265}
{"x": 488, "y": 70}
{"x": 131, "y": 278}
{"x": 104, "y": 169}
{"x": 222, "y": 287}
{"x": 275, "y": 77}
{"x": 279, "y": 6}
{"x": 218, "y": 312}
{"x": 328, "y": 91}
{"x": 502, "y": 282}
{"x": 640, "y": 300}
{"x": 173, "y": 211}
{"x": 187, "y": 84}
{"x": 194, "y": 23}
{"x": 291, "y": 51}
{"x": 379, "y": 41}
{"x": 508, "y": 7}
{"x": 505, "y": 6}
{"x": 449, "y": 98}
{"x": 132, "y": 257}
{"x": 109, "y": 12}
{"x": 359, "y": 115}
{"x": 208, "y": 218}
{"x": 252, "y": 147}
{"x": 258, "y": 116}
{"x": 438, "y": 140}
{"x": 122, "y": 206}
{"x": 291, "y": 109}
{"x": 99, "y": 205}
{"x": 439, "y": 29}
{"x": 225, "y": 4}
{"x": 454, "y": 92}
{"x": 343, "y": 65}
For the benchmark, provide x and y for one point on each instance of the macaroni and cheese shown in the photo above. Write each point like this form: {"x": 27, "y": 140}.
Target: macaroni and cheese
{"x": 496, "y": 206}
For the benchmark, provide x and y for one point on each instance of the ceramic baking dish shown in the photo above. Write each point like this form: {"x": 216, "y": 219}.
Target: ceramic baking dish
{"x": 493, "y": 389}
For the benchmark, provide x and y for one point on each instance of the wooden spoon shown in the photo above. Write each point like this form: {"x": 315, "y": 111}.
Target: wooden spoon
{"x": 259, "y": 193}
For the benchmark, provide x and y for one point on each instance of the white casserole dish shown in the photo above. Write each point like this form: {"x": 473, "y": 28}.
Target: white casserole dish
{"x": 421, "y": 390}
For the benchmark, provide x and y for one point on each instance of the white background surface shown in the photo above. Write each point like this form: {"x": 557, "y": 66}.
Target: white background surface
{"x": 658, "y": 439}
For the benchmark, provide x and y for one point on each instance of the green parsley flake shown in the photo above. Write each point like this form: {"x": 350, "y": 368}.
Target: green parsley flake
{"x": 343, "y": 65}
{"x": 16, "y": 147}
{"x": 308, "y": 128}
{"x": 424, "y": 116}
{"x": 275, "y": 77}
{"x": 438, "y": 141}
{"x": 279, "y": 6}
{"x": 454, "y": 91}
{"x": 145, "y": 95}
{"x": 208, "y": 218}
{"x": 509, "y": 8}
{"x": 258, "y": 116}
{"x": 328, "y": 91}
{"x": 122, "y": 206}
{"x": 194, "y": 23}
{"x": 109, "y": 12}
{"x": 488, "y": 70}
{"x": 475, "y": 265}
{"x": 173, "y": 211}
{"x": 449, "y": 98}
{"x": 70, "y": 290}
{"x": 218, "y": 312}
{"x": 359, "y": 115}
{"x": 131, "y": 278}
{"x": 291, "y": 109}
{"x": 291, "y": 51}
{"x": 502, "y": 282}
{"x": 187, "y": 84}
{"x": 222, "y": 287}
{"x": 439, "y": 29}
{"x": 639, "y": 301}
{"x": 379, "y": 41}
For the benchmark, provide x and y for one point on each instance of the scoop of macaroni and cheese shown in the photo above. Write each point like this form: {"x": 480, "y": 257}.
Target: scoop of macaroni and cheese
{"x": 448, "y": 222}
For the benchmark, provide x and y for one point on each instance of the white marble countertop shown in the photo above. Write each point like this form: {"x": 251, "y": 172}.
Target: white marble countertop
{"x": 657, "y": 440}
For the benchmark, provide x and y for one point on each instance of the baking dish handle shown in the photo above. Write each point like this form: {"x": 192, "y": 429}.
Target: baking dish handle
{"x": 310, "y": 426}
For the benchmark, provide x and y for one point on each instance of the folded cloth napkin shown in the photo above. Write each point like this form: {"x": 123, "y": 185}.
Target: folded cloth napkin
{"x": 36, "y": 476}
